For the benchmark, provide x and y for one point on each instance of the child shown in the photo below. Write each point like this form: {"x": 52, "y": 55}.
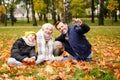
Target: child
{"x": 23, "y": 50}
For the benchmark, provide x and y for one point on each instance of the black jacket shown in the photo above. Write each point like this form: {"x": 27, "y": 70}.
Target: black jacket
{"x": 21, "y": 50}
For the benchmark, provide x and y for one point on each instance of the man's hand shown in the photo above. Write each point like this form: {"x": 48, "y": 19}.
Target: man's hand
{"x": 77, "y": 22}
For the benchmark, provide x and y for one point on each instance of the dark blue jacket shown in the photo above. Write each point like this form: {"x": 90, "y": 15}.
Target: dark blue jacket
{"x": 77, "y": 45}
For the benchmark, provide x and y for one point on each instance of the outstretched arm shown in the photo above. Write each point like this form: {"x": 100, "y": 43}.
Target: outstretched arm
{"x": 81, "y": 27}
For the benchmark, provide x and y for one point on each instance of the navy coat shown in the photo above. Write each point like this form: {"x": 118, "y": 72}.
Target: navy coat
{"x": 77, "y": 45}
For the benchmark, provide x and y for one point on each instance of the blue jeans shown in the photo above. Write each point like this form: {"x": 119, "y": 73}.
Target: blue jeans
{"x": 73, "y": 58}
{"x": 68, "y": 58}
{"x": 88, "y": 60}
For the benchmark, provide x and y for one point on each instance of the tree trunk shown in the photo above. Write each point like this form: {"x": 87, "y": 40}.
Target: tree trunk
{"x": 58, "y": 16}
{"x": 101, "y": 14}
{"x": 40, "y": 16}
{"x": 0, "y": 2}
{"x": 53, "y": 12}
{"x": 5, "y": 15}
{"x": 67, "y": 12}
{"x": 115, "y": 16}
{"x": 12, "y": 16}
{"x": 92, "y": 8}
{"x": 33, "y": 14}
{"x": 45, "y": 18}
{"x": 119, "y": 8}
{"x": 27, "y": 3}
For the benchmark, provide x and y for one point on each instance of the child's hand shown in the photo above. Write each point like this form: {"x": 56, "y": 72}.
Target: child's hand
{"x": 25, "y": 60}
{"x": 29, "y": 61}
{"x": 32, "y": 59}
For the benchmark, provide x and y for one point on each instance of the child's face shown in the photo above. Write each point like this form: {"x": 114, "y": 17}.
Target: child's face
{"x": 31, "y": 37}
{"x": 48, "y": 30}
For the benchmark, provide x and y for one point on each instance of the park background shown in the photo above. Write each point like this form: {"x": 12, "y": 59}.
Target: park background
{"x": 103, "y": 17}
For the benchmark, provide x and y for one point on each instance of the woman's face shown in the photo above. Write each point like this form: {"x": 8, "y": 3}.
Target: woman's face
{"x": 48, "y": 30}
{"x": 62, "y": 28}
{"x": 31, "y": 37}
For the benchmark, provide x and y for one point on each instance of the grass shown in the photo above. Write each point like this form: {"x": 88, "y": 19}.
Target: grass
{"x": 105, "y": 44}
{"x": 107, "y": 22}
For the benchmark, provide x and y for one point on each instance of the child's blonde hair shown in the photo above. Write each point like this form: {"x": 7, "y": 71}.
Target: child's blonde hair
{"x": 30, "y": 32}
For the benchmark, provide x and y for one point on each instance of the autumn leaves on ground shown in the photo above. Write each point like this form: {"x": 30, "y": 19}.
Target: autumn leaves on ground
{"x": 105, "y": 65}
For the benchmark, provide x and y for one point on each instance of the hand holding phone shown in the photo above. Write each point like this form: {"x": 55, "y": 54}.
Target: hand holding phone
{"x": 77, "y": 22}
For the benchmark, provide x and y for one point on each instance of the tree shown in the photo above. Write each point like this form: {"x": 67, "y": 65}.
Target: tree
{"x": 113, "y": 6}
{"x": 3, "y": 14}
{"x": 12, "y": 8}
{"x": 101, "y": 13}
{"x": 27, "y": 8}
{"x": 39, "y": 7}
{"x": 47, "y": 9}
{"x": 67, "y": 11}
{"x": 119, "y": 7}
{"x": 92, "y": 8}
{"x": 78, "y": 8}
{"x": 54, "y": 10}
{"x": 33, "y": 14}
{"x": 59, "y": 9}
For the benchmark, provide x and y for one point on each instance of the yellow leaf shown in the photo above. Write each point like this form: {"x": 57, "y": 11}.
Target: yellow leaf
{"x": 116, "y": 65}
{"x": 116, "y": 51}
{"x": 49, "y": 69}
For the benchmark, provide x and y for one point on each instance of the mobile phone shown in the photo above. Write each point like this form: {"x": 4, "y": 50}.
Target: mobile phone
{"x": 76, "y": 23}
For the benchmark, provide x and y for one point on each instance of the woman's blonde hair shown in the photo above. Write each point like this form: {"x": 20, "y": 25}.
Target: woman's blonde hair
{"x": 47, "y": 25}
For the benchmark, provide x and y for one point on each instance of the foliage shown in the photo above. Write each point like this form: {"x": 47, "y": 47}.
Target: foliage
{"x": 112, "y": 5}
{"x": 78, "y": 8}
{"x": 105, "y": 65}
{"x": 60, "y": 6}
{"x": 2, "y": 9}
{"x": 39, "y": 6}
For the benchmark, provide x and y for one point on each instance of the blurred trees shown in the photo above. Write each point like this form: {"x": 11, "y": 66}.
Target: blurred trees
{"x": 63, "y": 10}
{"x": 3, "y": 14}
{"x": 113, "y": 7}
{"x": 78, "y": 8}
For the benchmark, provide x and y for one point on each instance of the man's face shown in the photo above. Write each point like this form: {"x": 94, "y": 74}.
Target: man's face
{"x": 62, "y": 28}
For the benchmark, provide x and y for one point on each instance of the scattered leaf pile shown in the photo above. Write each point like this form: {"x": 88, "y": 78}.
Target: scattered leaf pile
{"x": 105, "y": 64}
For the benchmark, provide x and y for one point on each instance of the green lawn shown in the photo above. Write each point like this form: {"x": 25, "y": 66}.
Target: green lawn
{"x": 105, "y": 65}
{"x": 107, "y": 22}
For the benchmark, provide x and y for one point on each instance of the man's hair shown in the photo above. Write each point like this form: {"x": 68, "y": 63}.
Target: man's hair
{"x": 57, "y": 24}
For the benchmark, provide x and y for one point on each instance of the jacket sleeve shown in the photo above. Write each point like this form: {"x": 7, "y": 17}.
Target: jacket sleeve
{"x": 84, "y": 28}
{"x": 15, "y": 51}
{"x": 33, "y": 53}
{"x": 60, "y": 38}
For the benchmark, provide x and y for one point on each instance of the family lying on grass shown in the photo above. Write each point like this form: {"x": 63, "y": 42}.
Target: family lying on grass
{"x": 71, "y": 40}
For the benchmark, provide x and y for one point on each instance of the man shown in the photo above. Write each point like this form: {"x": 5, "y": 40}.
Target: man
{"x": 74, "y": 40}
